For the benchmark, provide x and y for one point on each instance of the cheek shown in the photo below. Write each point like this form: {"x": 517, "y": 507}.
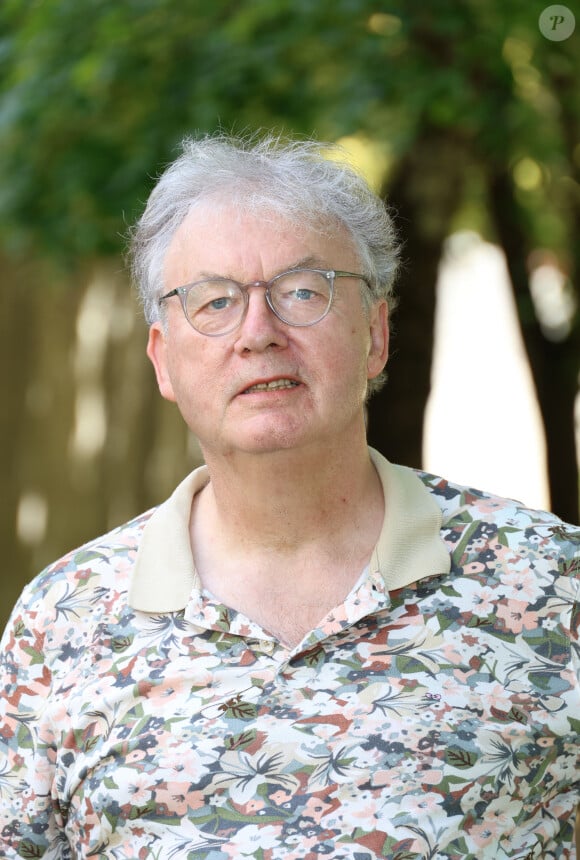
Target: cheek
{"x": 190, "y": 388}
{"x": 346, "y": 369}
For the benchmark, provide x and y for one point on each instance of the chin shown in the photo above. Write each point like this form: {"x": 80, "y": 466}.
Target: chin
{"x": 271, "y": 435}
{"x": 270, "y": 443}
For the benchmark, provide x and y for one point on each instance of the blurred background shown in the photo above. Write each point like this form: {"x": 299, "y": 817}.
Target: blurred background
{"x": 463, "y": 113}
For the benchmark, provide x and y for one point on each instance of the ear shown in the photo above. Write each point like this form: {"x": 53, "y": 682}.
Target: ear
{"x": 157, "y": 352}
{"x": 379, "y": 339}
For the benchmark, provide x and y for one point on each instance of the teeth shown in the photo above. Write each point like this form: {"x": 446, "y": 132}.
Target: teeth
{"x": 272, "y": 386}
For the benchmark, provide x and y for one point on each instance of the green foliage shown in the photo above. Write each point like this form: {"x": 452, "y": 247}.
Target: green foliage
{"x": 96, "y": 95}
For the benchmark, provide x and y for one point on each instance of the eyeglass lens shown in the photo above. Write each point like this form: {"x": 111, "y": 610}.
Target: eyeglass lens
{"x": 299, "y": 298}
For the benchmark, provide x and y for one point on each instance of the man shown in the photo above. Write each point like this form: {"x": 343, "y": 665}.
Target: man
{"x": 306, "y": 650}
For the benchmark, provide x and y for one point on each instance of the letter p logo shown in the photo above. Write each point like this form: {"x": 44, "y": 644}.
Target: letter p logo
{"x": 557, "y": 23}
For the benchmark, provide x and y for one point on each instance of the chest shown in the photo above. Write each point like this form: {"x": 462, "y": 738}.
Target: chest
{"x": 395, "y": 724}
{"x": 289, "y": 613}
{"x": 290, "y": 604}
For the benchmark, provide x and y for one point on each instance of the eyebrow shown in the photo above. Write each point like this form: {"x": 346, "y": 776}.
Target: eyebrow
{"x": 308, "y": 262}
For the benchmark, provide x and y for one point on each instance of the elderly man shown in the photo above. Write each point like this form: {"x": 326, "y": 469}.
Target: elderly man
{"x": 306, "y": 650}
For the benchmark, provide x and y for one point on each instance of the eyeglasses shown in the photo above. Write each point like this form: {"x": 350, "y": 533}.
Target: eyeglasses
{"x": 300, "y": 297}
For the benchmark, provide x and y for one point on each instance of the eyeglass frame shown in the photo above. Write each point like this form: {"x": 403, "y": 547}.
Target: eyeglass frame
{"x": 329, "y": 274}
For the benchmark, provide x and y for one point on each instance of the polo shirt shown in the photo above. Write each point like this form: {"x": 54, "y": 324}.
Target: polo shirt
{"x": 434, "y": 714}
{"x": 409, "y": 546}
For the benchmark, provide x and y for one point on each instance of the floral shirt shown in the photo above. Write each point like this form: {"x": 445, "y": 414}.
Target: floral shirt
{"x": 436, "y": 719}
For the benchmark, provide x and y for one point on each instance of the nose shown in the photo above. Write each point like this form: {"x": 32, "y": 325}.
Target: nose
{"x": 260, "y": 329}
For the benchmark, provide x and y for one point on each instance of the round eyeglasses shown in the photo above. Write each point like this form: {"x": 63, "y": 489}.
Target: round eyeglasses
{"x": 300, "y": 297}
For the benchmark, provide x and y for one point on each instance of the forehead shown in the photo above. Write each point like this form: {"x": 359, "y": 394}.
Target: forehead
{"x": 228, "y": 240}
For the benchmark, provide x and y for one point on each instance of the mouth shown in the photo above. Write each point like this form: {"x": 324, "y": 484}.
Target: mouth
{"x": 272, "y": 385}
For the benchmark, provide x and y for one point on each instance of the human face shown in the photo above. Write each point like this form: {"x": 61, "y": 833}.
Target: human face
{"x": 213, "y": 379}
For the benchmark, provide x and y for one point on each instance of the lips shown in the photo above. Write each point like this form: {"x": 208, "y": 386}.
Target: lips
{"x": 278, "y": 384}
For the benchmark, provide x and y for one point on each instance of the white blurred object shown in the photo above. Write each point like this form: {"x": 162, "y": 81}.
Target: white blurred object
{"x": 482, "y": 425}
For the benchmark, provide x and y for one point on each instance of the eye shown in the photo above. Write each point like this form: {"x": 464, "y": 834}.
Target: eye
{"x": 218, "y": 304}
{"x": 301, "y": 286}
{"x": 302, "y": 294}
{"x": 213, "y": 297}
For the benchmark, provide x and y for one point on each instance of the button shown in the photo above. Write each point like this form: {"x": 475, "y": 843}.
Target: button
{"x": 268, "y": 646}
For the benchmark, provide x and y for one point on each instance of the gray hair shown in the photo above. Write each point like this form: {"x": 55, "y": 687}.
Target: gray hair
{"x": 300, "y": 180}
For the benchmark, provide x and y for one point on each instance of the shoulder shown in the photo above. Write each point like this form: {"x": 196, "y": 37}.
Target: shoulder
{"x": 489, "y": 536}
{"x": 104, "y": 562}
{"x": 515, "y": 575}
{"x": 79, "y": 589}
{"x": 463, "y": 507}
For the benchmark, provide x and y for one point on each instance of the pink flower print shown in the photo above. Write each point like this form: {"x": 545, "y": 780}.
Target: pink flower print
{"x": 497, "y": 695}
{"x": 488, "y": 505}
{"x": 421, "y": 804}
{"x": 499, "y": 818}
{"x": 432, "y": 777}
{"x": 521, "y": 583}
{"x": 484, "y": 833}
{"x": 252, "y": 807}
{"x": 173, "y": 798}
{"x": 516, "y": 616}
{"x": 315, "y": 808}
{"x": 140, "y": 788}
{"x": 474, "y": 567}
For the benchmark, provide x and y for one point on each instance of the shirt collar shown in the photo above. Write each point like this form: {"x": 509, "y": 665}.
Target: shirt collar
{"x": 409, "y": 546}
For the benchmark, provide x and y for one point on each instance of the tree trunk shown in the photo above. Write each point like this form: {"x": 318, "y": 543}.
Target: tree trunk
{"x": 554, "y": 364}
{"x": 50, "y": 363}
{"x": 424, "y": 194}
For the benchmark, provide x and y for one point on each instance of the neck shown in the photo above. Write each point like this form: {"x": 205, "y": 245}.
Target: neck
{"x": 289, "y": 500}
{"x": 282, "y": 537}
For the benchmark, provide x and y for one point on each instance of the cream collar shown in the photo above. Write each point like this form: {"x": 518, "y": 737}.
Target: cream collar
{"x": 409, "y": 548}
